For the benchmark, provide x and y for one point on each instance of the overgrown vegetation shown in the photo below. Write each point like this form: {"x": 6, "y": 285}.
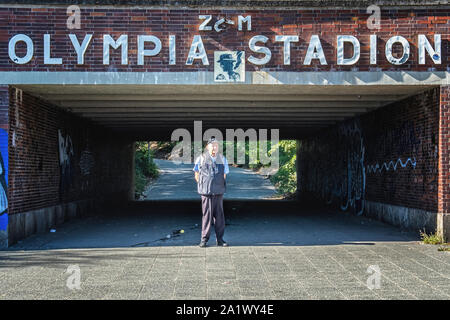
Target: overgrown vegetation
{"x": 432, "y": 238}
{"x": 285, "y": 179}
{"x": 145, "y": 167}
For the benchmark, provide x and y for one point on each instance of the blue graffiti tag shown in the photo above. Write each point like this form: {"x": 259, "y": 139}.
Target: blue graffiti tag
{"x": 3, "y": 180}
{"x": 391, "y": 165}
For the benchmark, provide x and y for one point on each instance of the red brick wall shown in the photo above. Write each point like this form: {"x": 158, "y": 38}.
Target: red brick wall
{"x": 389, "y": 155}
{"x": 184, "y": 23}
{"x": 444, "y": 152}
{"x": 4, "y": 106}
{"x": 100, "y": 165}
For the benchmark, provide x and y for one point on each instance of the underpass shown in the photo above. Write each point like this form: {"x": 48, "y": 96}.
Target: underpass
{"x": 363, "y": 149}
{"x": 369, "y": 111}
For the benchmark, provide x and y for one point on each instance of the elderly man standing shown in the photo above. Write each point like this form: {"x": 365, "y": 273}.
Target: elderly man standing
{"x": 211, "y": 169}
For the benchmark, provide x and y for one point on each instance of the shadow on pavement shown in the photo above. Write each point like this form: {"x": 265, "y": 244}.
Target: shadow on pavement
{"x": 248, "y": 223}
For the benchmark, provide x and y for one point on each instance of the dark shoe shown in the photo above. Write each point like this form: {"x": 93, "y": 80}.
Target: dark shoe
{"x": 222, "y": 244}
{"x": 202, "y": 244}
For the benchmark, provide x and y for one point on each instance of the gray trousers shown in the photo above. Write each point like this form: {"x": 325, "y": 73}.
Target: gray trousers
{"x": 212, "y": 208}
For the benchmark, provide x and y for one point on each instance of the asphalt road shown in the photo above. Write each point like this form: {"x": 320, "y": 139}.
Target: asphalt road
{"x": 177, "y": 182}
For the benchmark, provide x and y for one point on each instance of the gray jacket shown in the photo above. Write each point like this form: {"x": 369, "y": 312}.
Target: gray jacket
{"x": 211, "y": 180}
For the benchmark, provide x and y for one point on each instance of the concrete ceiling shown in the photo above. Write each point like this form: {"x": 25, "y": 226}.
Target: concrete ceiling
{"x": 154, "y": 111}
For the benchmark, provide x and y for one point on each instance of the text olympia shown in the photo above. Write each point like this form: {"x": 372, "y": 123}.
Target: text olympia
{"x": 256, "y": 44}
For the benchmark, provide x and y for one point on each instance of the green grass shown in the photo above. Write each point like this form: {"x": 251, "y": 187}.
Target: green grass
{"x": 432, "y": 238}
{"x": 444, "y": 248}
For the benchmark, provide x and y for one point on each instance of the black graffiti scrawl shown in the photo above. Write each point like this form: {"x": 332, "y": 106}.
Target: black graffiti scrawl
{"x": 66, "y": 160}
{"x": 336, "y": 171}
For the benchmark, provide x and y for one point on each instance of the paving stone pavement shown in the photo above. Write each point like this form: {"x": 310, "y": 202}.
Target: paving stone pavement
{"x": 408, "y": 271}
{"x": 270, "y": 257}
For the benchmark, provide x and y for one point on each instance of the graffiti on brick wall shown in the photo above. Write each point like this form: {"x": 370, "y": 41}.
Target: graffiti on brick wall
{"x": 351, "y": 173}
{"x": 404, "y": 138}
{"x": 378, "y": 157}
{"x": 343, "y": 182}
{"x": 65, "y": 161}
{"x": 86, "y": 162}
{"x": 404, "y": 144}
{"x": 3, "y": 188}
{"x": 338, "y": 170}
{"x": 3, "y": 180}
{"x": 430, "y": 178}
{"x": 391, "y": 165}
{"x": 86, "y": 165}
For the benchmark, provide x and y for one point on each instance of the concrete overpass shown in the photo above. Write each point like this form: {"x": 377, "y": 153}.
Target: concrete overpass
{"x": 154, "y": 111}
{"x": 373, "y": 134}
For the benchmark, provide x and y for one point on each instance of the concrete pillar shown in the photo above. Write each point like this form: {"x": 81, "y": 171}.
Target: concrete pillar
{"x": 443, "y": 219}
{"x": 4, "y": 128}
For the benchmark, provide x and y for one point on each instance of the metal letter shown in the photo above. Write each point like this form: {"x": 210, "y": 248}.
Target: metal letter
{"x": 315, "y": 51}
{"x": 12, "y": 49}
{"x": 47, "y": 58}
{"x": 247, "y": 19}
{"x": 435, "y": 53}
{"x": 388, "y": 51}
{"x": 287, "y": 46}
{"x": 218, "y": 23}
{"x": 172, "y": 52}
{"x": 80, "y": 50}
{"x": 258, "y": 49}
{"x": 197, "y": 43}
{"x": 340, "y": 50}
{"x": 142, "y": 39}
{"x": 121, "y": 42}
{"x": 204, "y": 26}
{"x": 373, "y": 49}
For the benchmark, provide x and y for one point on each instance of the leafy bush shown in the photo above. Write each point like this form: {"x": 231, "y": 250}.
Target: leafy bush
{"x": 140, "y": 182}
{"x": 285, "y": 180}
{"x": 145, "y": 167}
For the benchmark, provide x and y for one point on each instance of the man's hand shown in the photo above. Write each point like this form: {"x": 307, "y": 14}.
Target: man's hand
{"x": 196, "y": 176}
{"x": 224, "y": 176}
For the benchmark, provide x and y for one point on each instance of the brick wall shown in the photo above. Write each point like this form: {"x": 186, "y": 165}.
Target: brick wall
{"x": 236, "y": 3}
{"x": 444, "y": 164}
{"x": 4, "y": 106}
{"x": 444, "y": 151}
{"x": 184, "y": 24}
{"x": 389, "y": 155}
{"x": 56, "y": 157}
